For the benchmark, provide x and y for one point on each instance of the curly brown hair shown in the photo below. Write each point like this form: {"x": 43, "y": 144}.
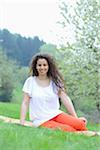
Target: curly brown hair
{"x": 53, "y": 71}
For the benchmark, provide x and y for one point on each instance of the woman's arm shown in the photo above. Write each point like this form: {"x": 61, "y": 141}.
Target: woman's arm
{"x": 69, "y": 106}
{"x": 24, "y": 108}
{"x": 67, "y": 103}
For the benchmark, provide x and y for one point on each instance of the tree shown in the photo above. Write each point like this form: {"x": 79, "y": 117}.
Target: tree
{"x": 84, "y": 53}
{"x": 7, "y": 78}
{"x": 50, "y": 49}
{"x": 19, "y": 48}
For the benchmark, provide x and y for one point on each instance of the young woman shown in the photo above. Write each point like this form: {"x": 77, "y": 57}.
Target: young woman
{"x": 42, "y": 91}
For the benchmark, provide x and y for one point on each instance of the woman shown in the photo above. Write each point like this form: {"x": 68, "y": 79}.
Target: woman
{"x": 42, "y": 91}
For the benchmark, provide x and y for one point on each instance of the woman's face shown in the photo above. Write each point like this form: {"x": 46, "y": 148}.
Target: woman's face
{"x": 42, "y": 66}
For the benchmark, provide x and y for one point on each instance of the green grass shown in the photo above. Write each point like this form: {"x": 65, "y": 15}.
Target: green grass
{"x": 17, "y": 94}
{"x": 26, "y": 138}
{"x": 10, "y": 110}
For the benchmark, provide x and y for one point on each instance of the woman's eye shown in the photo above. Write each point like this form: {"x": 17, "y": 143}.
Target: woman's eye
{"x": 39, "y": 65}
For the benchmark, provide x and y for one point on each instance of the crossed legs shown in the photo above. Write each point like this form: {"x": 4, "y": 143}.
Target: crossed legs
{"x": 69, "y": 123}
{"x": 56, "y": 123}
{"x": 66, "y": 122}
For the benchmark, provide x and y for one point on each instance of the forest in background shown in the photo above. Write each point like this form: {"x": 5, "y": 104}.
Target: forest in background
{"x": 15, "y": 55}
{"x": 19, "y": 48}
{"x": 78, "y": 62}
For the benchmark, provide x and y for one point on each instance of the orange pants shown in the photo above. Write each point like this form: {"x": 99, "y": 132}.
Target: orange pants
{"x": 65, "y": 122}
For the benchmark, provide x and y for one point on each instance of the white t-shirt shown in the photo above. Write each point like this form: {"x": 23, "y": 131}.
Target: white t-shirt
{"x": 44, "y": 101}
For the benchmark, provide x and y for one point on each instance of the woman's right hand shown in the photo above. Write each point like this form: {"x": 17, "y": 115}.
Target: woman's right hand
{"x": 26, "y": 123}
{"x": 22, "y": 122}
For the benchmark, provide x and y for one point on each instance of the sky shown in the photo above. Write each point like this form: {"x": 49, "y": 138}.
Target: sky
{"x": 33, "y": 18}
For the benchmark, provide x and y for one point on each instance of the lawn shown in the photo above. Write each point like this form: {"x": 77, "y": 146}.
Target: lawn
{"x": 27, "y": 138}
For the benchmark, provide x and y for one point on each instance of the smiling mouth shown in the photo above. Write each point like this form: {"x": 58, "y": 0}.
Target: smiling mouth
{"x": 42, "y": 70}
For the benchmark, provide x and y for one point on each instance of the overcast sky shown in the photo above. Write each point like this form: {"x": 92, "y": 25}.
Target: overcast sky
{"x": 32, "y": 17}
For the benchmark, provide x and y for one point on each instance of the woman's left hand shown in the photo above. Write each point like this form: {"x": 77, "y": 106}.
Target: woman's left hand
{"x": 84, "y": 119}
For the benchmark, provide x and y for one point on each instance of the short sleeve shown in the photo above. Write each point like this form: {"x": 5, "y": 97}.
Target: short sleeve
{"x": 27, "y": 87}
{"x": 55, "y": 88}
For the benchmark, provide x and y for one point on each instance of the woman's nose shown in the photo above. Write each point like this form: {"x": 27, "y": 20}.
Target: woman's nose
{"x": 42, "y": 67}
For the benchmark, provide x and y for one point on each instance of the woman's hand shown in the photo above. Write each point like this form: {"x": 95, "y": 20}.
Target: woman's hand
{"x": 22, "y": 122}
{"x": 84, "y": 119}
{"x": 26, "y": 123}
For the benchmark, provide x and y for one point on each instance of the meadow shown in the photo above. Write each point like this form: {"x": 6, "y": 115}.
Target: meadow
{"x": 27, "y": 138}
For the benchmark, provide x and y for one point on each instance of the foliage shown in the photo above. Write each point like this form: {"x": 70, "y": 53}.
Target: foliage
{"x": 80, "y": 63}
{"x": 50, "y": 49}
{"x": 7, "y": 80}
{"x": 19, "y": 48}
{"x": 11, "y": 77}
